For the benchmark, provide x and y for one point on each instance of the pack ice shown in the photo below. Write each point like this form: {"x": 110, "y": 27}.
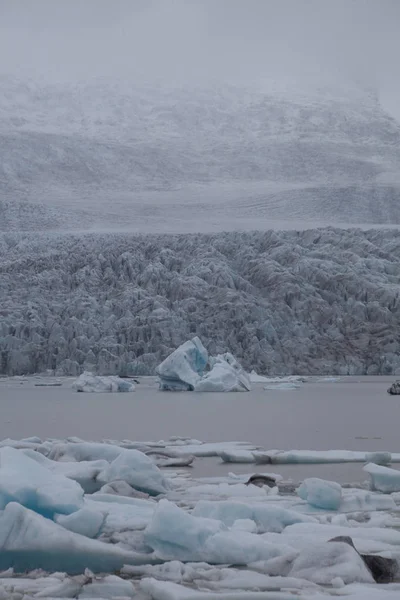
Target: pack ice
{"x": 184, "y": 369}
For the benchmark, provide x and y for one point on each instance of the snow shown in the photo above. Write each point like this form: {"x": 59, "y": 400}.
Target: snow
{"x": 383, "y": 479}
{"x": 320, "y": 493}
{"x": 184, "y": 370}
{"x": 87, "y": 382}
{"x": 196, "y": 150}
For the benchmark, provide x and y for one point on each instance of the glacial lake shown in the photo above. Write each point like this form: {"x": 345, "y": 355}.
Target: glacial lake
{"x": 355, "y": 413}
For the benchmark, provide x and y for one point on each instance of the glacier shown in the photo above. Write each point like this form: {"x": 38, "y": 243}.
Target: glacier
{"x": 321, "y": 301}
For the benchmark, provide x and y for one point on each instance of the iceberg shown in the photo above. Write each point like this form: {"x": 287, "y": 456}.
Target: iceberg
{"x": 226, "y": 375}
{"x": 136, "y": 469}
{"x": 383, "y": 479}
{"x": 321, "y": 493}
{"x": 87, "y": 382}
{"x": 182, "y": 369}
{"x": 25, "y": 481}
{"x": 29, "y": 541}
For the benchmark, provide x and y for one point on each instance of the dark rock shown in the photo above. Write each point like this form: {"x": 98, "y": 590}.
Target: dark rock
{"x": 382, "y": 569}
{"x": 394, "y": 389}
{"x": 260, "y": 480}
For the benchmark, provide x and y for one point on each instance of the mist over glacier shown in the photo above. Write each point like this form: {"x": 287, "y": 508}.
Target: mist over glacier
{"x": 316, "y": 301}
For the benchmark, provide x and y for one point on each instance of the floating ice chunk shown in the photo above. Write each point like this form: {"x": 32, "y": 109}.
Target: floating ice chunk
{"x": 87, "y": 382}
{"x": 267, "y": 518}
{"x": 182, "y": 369}
{"x": 176, "y": 535}
{"x": 320, "y": 457}
{"x": 84, "y": 521}
{"x": 138, "y": 470}
{"x": 25, "y": 481}
{"x": 237, "y": 456}
{"x": 325, "y": 562}
{"x": 383, "y": 479}
{"x": 110, "y": 586}
{"x": 226, "y": 375}
{"x": 28, "y": 541}
{"x": 321, "y": 493}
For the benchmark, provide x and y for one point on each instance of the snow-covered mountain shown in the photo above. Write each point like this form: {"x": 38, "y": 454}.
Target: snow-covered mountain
{"x": 317, "y": 301}
{"x": 109, "y": 154}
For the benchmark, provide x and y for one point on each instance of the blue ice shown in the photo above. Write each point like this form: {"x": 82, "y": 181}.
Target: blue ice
{"x": 25, "y": 481}
{"x": 182, "y": 369}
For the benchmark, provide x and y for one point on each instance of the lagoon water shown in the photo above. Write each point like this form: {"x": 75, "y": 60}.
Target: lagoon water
{"x": 355, "y": 413}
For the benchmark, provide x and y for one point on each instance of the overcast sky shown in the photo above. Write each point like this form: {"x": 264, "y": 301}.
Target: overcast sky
{"x": 193, "y": 40}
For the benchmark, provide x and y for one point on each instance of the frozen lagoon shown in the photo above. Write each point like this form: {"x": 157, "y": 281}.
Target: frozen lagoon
{"x": 281, "y": 538}
{"x": 354, "y": 413}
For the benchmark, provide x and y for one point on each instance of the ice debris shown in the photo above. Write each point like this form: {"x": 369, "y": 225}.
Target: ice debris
{"x": 87, "y": 382}
{"x": 184, "y": 369}
{"x": 383, "y": 479}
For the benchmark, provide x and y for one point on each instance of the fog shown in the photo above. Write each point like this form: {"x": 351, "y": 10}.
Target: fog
{"x": 191, "y": 40}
